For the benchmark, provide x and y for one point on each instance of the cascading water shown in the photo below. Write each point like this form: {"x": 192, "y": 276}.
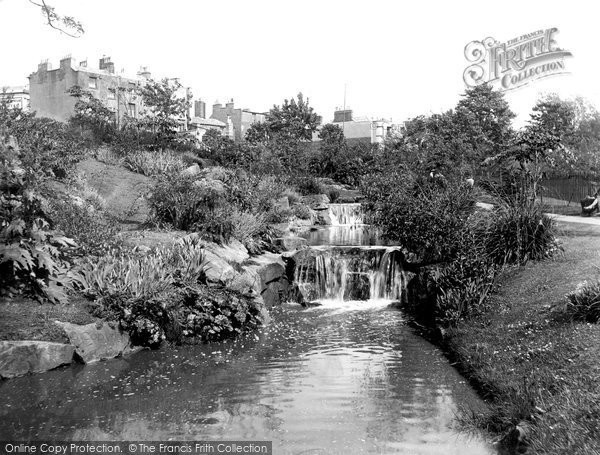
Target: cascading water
{"x": 346, "y": 214}
{"x": 343, "y": 273}
{"x": 350, "y": 274}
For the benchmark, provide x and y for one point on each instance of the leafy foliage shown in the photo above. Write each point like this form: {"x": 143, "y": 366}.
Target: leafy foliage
{"x": 428, "y": 217}
{"x": 92, "y": 229}
{"x": 165, "y": 109}
{"x": 294, "y": 119}
{"x": 65, "y": 24}
{"x": 91, "y": 113}
{"x": 154, "y": 163}
{"x": 33, "y": 258}
{"x": 519, "y": 231}
{"x": 583, "y": 304}
{"x": 162, "y": 295}
{"x": 47, "y": 147}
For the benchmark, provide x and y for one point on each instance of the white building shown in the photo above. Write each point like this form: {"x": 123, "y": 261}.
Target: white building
{"x": 362, "y": 127}
{"x": 18, "y": 97}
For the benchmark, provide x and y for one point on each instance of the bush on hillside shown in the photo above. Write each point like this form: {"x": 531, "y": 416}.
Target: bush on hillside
{"x": 33, "y": 258}
{"x": 519, "y": 231}
{"x": 583, "y": 304}
{"x": 163, "y": 295}
{"x": 154, "y": 164}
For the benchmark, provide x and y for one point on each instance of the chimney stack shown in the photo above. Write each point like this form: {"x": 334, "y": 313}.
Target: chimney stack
{"x": 106, "y": 64}
{"x": 144, "y": 73}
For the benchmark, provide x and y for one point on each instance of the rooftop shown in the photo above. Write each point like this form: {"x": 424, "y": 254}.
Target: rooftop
{"x": 206, "y": 121}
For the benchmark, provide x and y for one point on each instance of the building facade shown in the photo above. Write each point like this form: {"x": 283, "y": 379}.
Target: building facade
{"x": 16, "y": 97}
{"x": 237, "y": 121}
{"x": 362, "y": 128}
{"x": 49, "y": 88}
{"x": 199, "y": 126}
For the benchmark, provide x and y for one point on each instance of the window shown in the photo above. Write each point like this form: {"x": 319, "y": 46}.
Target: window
{"x": 93, "y": 82}
{"x": 131, "y": 109}
{"x": 111, "y": 94}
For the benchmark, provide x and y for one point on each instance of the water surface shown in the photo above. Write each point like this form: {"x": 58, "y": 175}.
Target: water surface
{"x": 345, "y": 378}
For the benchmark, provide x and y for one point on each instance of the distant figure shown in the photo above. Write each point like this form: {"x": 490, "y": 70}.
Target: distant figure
{"x": 589, "y": 204}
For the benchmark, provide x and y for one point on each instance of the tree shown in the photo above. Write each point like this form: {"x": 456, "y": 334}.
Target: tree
{"x": 542, "y": 144}
{"x": 458, "y": 141}
{"x": 483, "y": 119}
{"x": 294, "y": 120}
{"x": 333, "y": 147}
{"x": 65, "y": 24}
{"x": 91, "y": 113}
{"x": 165, "y": 108}
{"x": 258, "y": 133}
{"x": 585, "y": 139}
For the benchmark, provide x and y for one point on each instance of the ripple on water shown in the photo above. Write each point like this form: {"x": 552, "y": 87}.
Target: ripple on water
{"x": 326, "y": 380}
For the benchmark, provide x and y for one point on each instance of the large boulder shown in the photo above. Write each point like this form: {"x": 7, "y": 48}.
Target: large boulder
{"x": 291, "y": 243}
{"x": 246, "y": 282}
{"x": 192, "y": 170}
{"x": 21, "y": 357}
{"x": 274, "y": 280}
{"x": 233, "y": 251}
{"x": 97, "y": 341}
{"x": 217, "y": 269}
{"x": 283, "y": 203}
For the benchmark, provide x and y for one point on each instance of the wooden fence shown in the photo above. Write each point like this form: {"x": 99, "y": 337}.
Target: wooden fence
{"x": 569, "y": 187}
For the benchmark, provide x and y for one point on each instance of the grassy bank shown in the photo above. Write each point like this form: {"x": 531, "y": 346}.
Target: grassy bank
{"x": 533, "y": 363}
{"x": 22, "y": 318}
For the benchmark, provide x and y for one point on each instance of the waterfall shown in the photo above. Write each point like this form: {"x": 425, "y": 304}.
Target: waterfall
{"x": 346, "y": 214}
{"x": 350, "y": 273}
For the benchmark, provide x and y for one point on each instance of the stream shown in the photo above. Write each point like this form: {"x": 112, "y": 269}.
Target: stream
{"x": 347, "y": 377}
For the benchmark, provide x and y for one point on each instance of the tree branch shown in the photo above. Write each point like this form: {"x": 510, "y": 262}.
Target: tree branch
{"x": 53, "y": 20}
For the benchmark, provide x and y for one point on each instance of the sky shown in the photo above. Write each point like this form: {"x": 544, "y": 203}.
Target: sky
{"x": 393, "y": 59}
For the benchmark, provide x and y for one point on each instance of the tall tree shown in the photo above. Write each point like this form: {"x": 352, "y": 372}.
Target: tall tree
{"x": 483, "y": 119}
{"x": 543, "y": 143}
{"x": 165, "y": 108}
{"x": 294, "y": 119}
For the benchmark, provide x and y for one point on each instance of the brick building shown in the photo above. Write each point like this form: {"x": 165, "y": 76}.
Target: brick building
{"x": 237, "y": 120}
{"x": 48, "y": 88}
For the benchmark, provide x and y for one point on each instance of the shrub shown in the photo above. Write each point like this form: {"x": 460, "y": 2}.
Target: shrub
{"x": 92, "y": 229}
{"x": 583, "y": 304}
{"x": 143, "y": 276}
{"x": 519, "y": 231}
{"x": 47, "y": 147}
{"x": 247, "y": 228}
{"x": 302, "y": 211}
{"x": 154, "y": 163}
{"x": 163, "y": 295}
{"x": 185, "y": 204}
{"x": 33, "y": 258}
{"x": 333, "y": 194}
{"x": 429, "y": 218}
{"x": 309, "y": 185}
{"x": 293, "y": 196}
{"x": 462, "y": 288}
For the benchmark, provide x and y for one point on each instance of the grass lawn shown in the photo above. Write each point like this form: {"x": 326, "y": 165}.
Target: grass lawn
{"x": 26, "y": 319}
{"x": 535, "y": 365}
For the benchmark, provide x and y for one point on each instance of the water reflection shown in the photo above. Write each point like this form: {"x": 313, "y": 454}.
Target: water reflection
{"x": 329, "y": 380}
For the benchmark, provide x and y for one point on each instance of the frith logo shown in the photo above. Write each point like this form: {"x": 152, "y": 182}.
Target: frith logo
{"x": 514, "y": 63}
